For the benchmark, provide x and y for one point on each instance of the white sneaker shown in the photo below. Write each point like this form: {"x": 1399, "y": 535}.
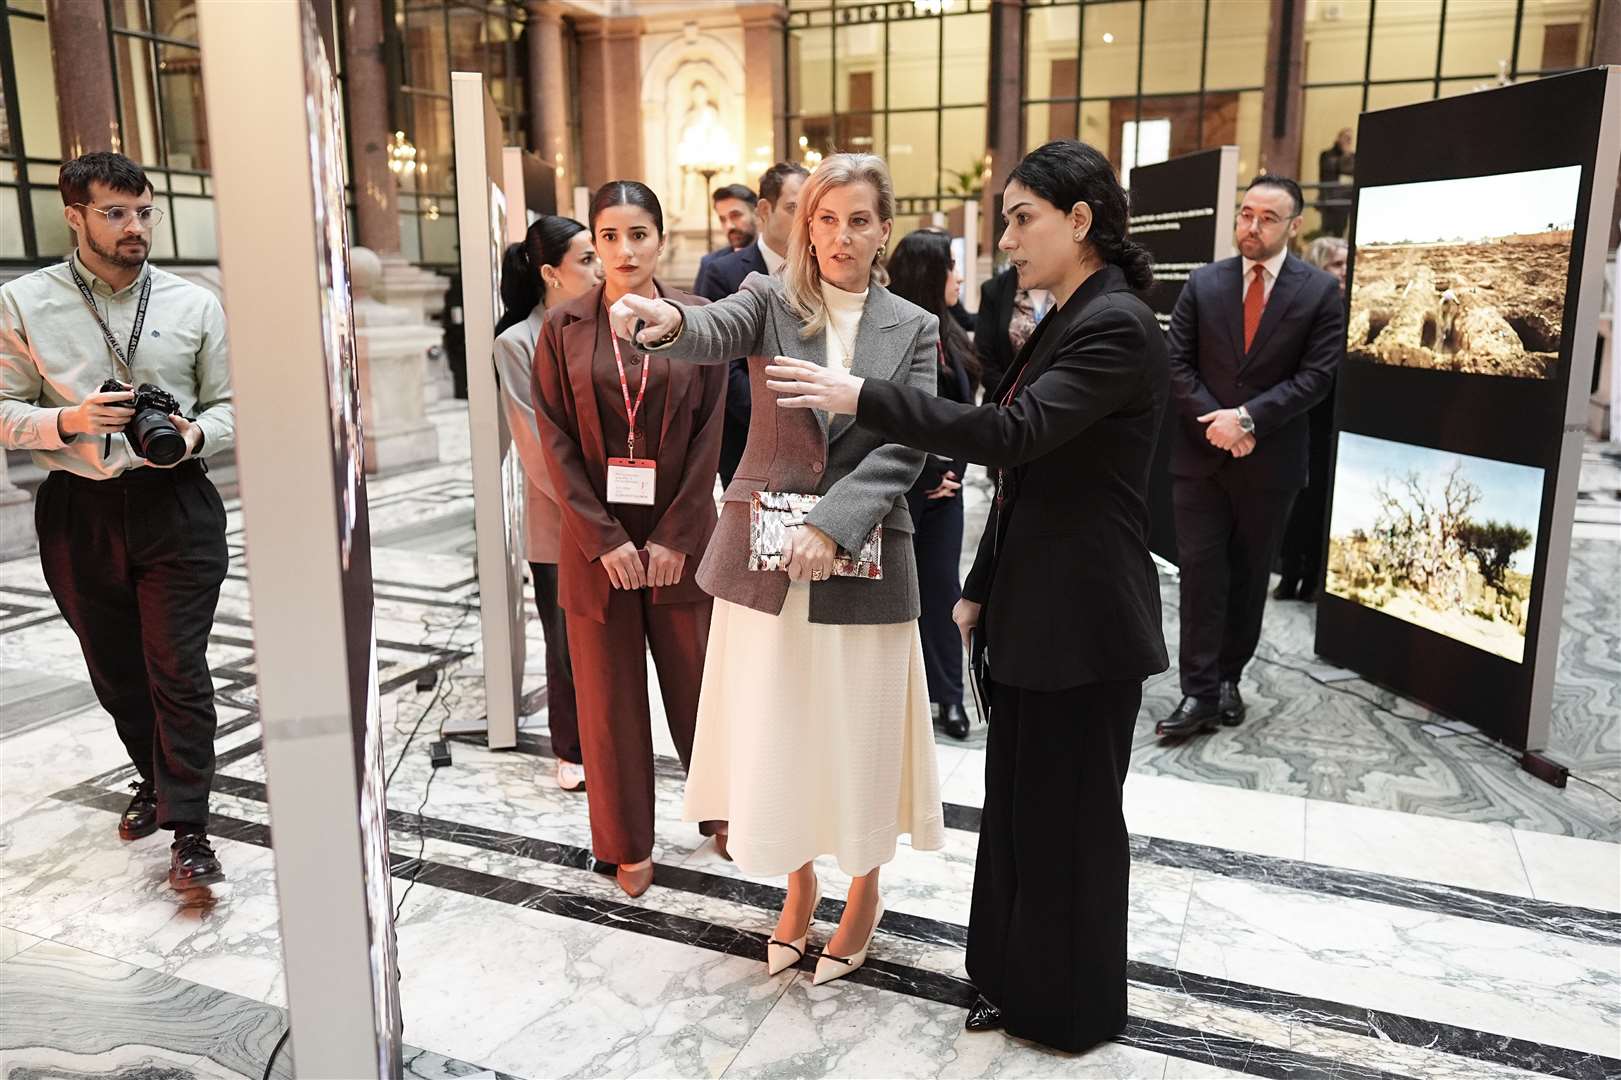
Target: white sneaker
{"x": 570, "y": 777}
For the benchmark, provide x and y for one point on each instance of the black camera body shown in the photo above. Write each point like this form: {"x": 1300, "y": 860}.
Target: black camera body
{"x": 150, "y": 432}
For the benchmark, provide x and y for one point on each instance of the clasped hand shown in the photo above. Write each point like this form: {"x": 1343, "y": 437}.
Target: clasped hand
{"x": 1224, "y": 432}
{"x": 625, "y": 570}
{"x": 809, "y": 553}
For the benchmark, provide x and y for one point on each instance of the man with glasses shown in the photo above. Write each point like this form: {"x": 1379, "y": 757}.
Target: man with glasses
{"x": 133, "y": 551}
{"x": 1254, "y": 343}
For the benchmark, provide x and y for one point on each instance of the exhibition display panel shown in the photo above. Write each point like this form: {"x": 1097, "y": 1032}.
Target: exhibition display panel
{"x": 498, "y": 480}
{"x": 1475, "y": 281}
{"x": 278, "y": 157}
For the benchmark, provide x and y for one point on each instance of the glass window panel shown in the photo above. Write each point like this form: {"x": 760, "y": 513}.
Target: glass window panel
{"x": 36, "y": 87}
{"x": 42, "y": 175}
{"x": 185, "y": 126}
{"x": 427, "y": 53}
{"x": 1109, "y": 50}
{"x": 1173, "y": 42}
{"x": 810, "y": 61}
{"x": 163, "y": 235}
{"x": 1050, "y": 55}
{"x": 194, "y": 224}
{"x": 430, "y": 131}
{"x": 1235, "y": 54}
{"x": 914, "y": 63}
{"x": 860, "y": 133}
{"x": 962, "y": 149}
{"x": 11, "y": 225}
{"x": 914, "y": 158}
{"x": 137, "y": 95}
{"x": 1555, "y": 38}
{"x": 36, "y": 6}
{"x": 180, "y": 182}
{"x": 967, "y": 58}
{"x": 439, "y": 235}
{"x": 1388, "y": 97}
{"x": 410, "y": 237}
{"x": 467, "y": 52}
{"x": 1328, "y": 110}
{"x": 130, "y": 15}
{"x": 51, "y": 232}
{"x": 1037, "y": 125}
{"x": 1405, "y": 37}
{"x": 1249, "y": 134}
{"x": 810, "y": 135}
{"x": 1479, "y": 37}
{"x": 859, "y": 77}
{"x": 1094, "y": 121}
{"x": 1337, "y": 47}
{"x": 176, "y": 18}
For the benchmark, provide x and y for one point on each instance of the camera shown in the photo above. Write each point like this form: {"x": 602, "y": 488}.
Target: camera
{"x": 150, "y": 432}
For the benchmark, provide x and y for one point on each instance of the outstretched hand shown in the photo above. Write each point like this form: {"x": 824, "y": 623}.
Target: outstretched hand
{"x": 662, "y": 319}
{"x": 811, "y": 386}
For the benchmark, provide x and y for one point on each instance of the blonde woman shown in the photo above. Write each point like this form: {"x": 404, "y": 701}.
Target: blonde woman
{"x": 814, "y": 735}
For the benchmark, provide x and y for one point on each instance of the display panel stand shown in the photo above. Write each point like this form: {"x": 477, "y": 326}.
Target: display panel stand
{"x": 277, "y": 153}
{"x": 498, "y": 481}
{"x": 1182, "y": 212}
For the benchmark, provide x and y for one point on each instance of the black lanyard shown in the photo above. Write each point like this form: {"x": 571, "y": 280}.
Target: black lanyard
{"x": 127, "y": 358}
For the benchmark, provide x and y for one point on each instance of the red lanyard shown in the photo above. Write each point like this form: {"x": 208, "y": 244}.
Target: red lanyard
{"x": 624, "y": 388}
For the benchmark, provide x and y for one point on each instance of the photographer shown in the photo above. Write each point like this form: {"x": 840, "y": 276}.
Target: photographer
{"x": 131, "y": 530}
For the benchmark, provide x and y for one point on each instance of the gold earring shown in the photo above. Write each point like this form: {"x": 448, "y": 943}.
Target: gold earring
{"x": 813, "y": 249}
{"x": 881, "y": 249}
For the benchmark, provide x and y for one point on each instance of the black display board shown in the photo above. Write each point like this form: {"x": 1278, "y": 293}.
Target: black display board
{"x": 1472, "y": 291}
{"x": 1182, "y": 212}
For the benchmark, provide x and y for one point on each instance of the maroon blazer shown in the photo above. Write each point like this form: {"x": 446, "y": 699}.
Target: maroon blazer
{"x": 571, "y": 438}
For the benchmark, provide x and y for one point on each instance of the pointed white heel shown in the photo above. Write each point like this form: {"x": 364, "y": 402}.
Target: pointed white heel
{"x": 831, "y": 967}
{"x": 782, "y": 955}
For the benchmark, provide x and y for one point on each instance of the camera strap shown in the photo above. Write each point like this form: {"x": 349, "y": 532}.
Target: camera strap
{"x": 125, "y": 357}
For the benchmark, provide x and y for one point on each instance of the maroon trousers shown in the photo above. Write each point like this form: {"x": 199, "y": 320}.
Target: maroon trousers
{"x": 610, "y": 690}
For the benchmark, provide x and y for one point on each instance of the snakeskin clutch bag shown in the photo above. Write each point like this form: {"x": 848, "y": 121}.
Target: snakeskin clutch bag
{"x": 773, "y": 513}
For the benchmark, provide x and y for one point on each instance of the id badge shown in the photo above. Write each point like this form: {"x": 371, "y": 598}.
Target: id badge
{"x": 632, "y": 480}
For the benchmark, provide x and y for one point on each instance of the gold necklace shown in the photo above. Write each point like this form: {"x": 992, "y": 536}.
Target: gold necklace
{"x": 849, "y": 349}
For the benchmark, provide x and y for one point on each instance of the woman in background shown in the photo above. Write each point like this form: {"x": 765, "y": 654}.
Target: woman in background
{"x": 554, "y": 264}
{"x": 923, "y": 271}
{"x": 632, "y": 442}
{"x": 1302, "y": 553}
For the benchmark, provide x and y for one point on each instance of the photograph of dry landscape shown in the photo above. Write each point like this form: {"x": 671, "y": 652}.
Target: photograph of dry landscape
{"x": 1464, "y": 275}
{"x": 1441, "y": 540}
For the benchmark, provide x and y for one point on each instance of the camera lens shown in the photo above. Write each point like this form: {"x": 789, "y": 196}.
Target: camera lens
{"x": 155, "y": 437}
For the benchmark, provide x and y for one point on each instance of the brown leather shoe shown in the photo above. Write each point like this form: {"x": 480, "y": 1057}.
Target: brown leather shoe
{"x": 720, "y": 846}
{"x": 634, "y": 882}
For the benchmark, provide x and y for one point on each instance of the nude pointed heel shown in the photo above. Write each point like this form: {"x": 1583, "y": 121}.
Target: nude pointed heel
{"x": 782, "y": 955}
{"x": 831, "y": 967}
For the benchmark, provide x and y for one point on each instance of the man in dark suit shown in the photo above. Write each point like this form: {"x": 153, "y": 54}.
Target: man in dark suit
{"x": 1254, "y": 344}
{"x": 774, "y": 211}
{"x": 735, "y": 207}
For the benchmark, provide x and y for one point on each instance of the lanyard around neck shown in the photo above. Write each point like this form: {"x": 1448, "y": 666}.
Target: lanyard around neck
{"x": 631, "y": 409}
{"x": 125, "y": 357}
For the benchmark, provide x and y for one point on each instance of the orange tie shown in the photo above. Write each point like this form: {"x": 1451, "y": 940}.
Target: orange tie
{"x": 1254, "y": 304}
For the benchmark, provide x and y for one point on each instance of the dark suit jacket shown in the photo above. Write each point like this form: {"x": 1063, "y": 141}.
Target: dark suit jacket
{"x": 706, "y": 266}
{"x": 991, "y": 325}
{"x": 570, "y": 426}
{"x": 862, "y": 479}
{"x": 1071, "y": 594}
{"x": 726, "y": 276}
{"x": 1288, "y": 369}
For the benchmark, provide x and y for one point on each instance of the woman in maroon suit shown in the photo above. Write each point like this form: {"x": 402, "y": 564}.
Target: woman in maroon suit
{"x": 632, "y": 443}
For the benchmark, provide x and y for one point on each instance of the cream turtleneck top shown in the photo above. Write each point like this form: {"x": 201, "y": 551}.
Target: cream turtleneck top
{"x": 843, "y": 320}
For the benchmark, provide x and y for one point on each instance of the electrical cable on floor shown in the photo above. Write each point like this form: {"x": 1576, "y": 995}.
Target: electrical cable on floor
{"x": 270, "y": 1064}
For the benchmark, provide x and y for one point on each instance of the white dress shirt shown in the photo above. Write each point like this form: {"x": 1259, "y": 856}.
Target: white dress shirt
{"x": 1273, "y": 266}
{"x": 773, "y": 261}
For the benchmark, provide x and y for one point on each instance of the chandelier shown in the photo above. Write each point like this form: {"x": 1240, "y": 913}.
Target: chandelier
{"x": 402, "y": 156}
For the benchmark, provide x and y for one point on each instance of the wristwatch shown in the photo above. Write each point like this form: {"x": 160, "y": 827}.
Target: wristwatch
{"x": 1246, "y": 421}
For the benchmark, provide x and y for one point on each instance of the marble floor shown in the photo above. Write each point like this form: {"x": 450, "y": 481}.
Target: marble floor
{"x": 1333, "y": 889}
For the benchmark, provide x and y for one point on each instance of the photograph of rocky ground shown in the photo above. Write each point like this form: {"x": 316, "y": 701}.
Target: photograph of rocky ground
{"x": 1444, "y": 541}
{"x": 1464, "y": 275}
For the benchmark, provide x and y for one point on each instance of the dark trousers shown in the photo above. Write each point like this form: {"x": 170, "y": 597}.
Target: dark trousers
{"x": 1047, "y": 931}
{"x": 1227, "y": 534}
{"x": 1302, "y": 554}
{"x": 937, "y": 545}
{"x": 616, "y": 737}
{"x": 135, "y": 564}
{"x": 562, "y": 716}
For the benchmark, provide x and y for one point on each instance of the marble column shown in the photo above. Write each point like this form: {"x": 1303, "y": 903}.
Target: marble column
{"x": 391, "y": 348}
{"x": 548, "y": 100}
{"x": 611, "y": 90}
{"x": 377, "y": 215}
{"x": 86, "y": 109}
{"x": 1004, "y": 122}
{"x": 16, "y": 516}
{"x": 1282, "y": 98}
{"x": 766, "y": 94}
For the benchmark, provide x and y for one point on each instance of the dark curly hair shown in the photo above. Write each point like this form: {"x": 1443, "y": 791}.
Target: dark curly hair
{"x": 1065, "y": 172}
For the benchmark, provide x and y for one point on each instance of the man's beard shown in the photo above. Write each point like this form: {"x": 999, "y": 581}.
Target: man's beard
{"x": 117, "y": 257}
{"x": 739, "y": 238}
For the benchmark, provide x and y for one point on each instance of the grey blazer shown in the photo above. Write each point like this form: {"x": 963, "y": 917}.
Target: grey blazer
{"x": 515, "y": 368}
{"x": 862, "y": 479}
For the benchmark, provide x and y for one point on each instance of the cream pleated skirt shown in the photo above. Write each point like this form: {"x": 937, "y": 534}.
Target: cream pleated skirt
{"x": 814, "y": 740}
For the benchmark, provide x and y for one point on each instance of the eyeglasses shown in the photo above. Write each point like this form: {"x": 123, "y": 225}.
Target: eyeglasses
{"x": 119, "y": 216}
{"x": 1247, "y": 218}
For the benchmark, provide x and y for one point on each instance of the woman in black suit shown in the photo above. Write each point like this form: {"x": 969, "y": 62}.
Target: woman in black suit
{"x": 1063, "y": 600}
{"x": 922, "y": 270}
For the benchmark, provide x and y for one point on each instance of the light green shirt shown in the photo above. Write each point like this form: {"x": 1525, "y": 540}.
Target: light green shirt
{"x": 53, "y": 356}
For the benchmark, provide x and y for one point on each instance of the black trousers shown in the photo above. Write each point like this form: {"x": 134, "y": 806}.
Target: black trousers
{"x": 1302, "y": 554}
{"x": 135, "y": 564}
{"x": 1047, "y": 931}
{"x": 1227, "y": 534}
{"x": 937, "y": 546}
{"x": 562, "y": 716}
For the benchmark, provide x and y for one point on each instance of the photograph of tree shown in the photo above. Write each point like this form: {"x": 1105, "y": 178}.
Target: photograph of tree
{"x": 1441, "y": 540}
{"x": 1464, "y": 275}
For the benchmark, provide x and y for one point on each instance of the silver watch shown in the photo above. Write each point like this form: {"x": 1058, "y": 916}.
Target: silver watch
{"x": 1246, "y": 421}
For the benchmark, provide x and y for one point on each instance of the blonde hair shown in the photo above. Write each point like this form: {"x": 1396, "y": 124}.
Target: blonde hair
{"x": 802, "y": 278}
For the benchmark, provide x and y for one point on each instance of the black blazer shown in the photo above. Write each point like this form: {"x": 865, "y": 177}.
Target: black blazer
{"x": 1288, "y": 369}
{"x": 954, "y": 385}
{"x": 1070, "y": 591}
{"x": 991, "y": 323}
{"x": 723, "y": 277}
